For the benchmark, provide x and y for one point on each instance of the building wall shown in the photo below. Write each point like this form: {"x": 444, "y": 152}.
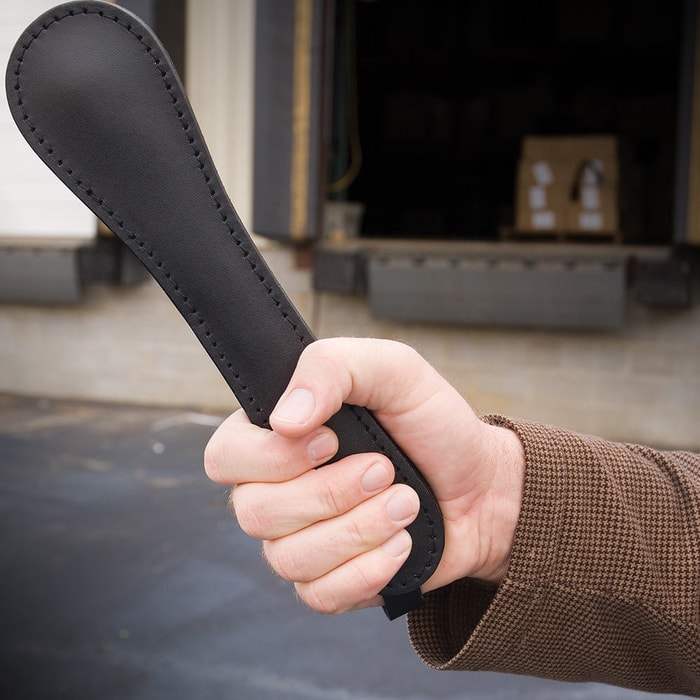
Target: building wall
{"x": 640, "y": 384}
{"x": 130, "y": 345}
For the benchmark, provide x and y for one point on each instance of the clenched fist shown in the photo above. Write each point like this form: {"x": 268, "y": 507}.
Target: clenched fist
{"x": 339, "y": 532}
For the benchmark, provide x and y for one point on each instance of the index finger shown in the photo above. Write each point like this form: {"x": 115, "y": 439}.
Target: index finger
{"x": 240, "y": 452}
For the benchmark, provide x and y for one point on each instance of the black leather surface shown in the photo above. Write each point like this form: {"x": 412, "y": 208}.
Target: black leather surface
{"x": 97, "y": 98}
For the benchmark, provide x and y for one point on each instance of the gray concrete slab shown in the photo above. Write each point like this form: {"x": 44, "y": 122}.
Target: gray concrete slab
{"x": 124, "y": 576}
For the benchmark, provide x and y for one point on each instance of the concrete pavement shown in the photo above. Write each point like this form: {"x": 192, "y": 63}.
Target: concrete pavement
{"x": 124, "y": 576}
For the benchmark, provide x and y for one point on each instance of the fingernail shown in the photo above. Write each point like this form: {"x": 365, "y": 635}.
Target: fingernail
{"x": 296, "y": 407}
{"x": 402, "y": 505}
{"x": 376, "y": 477}
{"x": 398, "y": 545}
{"x": 322, "y": 447}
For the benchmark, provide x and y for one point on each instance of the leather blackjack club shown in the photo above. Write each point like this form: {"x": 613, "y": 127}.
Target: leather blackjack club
{"x": 95, "y": 94}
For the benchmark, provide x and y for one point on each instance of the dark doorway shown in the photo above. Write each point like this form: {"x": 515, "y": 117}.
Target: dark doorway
{"x": 445, "y": 92}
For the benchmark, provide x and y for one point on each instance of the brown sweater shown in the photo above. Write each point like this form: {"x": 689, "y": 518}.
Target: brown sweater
{"x": 604, "y": 578}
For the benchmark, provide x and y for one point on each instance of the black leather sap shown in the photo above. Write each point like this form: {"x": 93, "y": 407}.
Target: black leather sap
{"x": 96, "y": 96}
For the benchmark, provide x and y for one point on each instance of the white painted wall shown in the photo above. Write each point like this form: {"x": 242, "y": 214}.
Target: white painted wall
{"x": 34, "y": 203}
{"x": 220, "y": 80}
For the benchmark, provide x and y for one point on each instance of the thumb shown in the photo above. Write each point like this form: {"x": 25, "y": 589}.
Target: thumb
{"x": 389, "y": 378}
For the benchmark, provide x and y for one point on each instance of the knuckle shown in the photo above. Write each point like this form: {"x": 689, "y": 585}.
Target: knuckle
{"x": 248, "y": 512}
{"x": 370, "y": 579}
{"x": 331, "y": 498}
{"x": 220, "y": 451}
{"x": 279, "y": 459}
{"x": 357, "y": 535}
{"x": 319, "y": 349}
{"x": 213, "y": 458}
{"x": 319, "y": 598}
{"x": 276, "y": 464}
{"x": 284, "y": 560}
{"x": 321, "y": 362}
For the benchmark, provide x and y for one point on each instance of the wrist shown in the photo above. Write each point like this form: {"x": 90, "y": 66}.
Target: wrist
{"x": 507, "y": 457}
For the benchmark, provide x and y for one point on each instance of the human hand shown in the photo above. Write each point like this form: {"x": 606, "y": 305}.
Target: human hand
{"x": 339, "y": 532}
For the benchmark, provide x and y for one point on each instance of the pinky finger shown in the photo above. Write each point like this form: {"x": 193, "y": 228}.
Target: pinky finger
{"x": 356, "y": 583}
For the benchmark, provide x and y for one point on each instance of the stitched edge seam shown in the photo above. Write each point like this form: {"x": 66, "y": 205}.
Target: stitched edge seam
{"x": 432, "y": 552}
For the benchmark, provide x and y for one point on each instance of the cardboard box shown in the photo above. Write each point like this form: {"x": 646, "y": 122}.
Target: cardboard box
{"x": 568, "y": 184}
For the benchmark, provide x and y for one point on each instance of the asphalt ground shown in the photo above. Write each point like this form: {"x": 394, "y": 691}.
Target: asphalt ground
{"x": 123, "y": 575}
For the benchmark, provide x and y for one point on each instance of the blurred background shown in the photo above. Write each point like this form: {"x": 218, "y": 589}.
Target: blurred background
{"x": 509, "y": 187}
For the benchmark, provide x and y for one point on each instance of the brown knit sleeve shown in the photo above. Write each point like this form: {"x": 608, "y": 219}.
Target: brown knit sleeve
{"x": 604, "y": 578}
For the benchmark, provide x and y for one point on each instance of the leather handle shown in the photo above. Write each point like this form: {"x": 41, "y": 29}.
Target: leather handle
{"x": 96, "y": 96}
